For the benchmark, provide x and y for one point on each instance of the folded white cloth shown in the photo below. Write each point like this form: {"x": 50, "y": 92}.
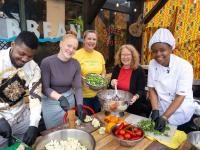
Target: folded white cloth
{"x": 162, "y": 35}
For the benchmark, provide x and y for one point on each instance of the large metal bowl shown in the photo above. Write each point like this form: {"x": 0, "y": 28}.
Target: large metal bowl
{"x": 84, "y": 138}
{"x": 111, "y": 103}
{"x": 194, "y": 139}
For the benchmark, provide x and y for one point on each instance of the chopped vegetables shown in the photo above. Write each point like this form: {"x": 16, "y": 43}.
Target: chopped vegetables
{"x": 78, "y": 122}
{"x": 88, "y": 118}
{"x": 95, "y": 123}
{"x": 69, "y": 144}
{"x": 111, "y": 118}
{"x": 148, "y": 126}
{"x": 102, "y": 130}
{"x": 95, "y": 80}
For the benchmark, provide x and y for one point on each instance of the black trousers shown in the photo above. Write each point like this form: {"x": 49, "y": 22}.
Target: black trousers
{"x": 141, "y": 107}
{"x": 188, "y": 126}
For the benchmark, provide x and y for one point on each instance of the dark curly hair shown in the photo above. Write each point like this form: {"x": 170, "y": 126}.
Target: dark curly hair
{"x": 28, "y": 38}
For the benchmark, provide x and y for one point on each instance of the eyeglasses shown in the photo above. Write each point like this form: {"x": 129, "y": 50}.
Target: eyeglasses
{"x": 93, "y": 31}
{"x": 125, "y": 55}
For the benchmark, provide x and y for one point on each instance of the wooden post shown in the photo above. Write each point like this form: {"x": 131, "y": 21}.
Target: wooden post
{"x": 55, "y": 14}
{"x": 22, "y": 15}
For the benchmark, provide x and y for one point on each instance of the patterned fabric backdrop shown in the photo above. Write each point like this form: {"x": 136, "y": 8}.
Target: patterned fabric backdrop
{"x": 182, "y": 18}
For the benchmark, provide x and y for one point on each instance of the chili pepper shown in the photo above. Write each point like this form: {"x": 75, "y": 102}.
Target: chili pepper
{"x": 120, "y": 126}
{"x": 126, "y": 126}
{"x": 130, "y": 132}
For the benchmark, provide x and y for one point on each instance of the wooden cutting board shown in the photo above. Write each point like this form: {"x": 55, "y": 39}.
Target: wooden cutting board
{"x": 88, "y": 127}
{"x": 134, "y": 119}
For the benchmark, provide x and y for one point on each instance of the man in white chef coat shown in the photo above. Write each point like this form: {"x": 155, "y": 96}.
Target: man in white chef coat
{"x": 18, "y": 74}
{"x": 170, "y": 81}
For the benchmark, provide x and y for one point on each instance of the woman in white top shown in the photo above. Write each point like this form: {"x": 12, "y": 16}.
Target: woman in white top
{"x": 170, "y": 83}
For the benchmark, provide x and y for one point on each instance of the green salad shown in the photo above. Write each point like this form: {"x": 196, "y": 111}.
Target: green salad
{"x": 95, "y": 80}
{"x": 148, "y": 126}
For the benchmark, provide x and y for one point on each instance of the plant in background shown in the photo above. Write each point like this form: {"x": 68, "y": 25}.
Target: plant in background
{"x": 77, "y": 21}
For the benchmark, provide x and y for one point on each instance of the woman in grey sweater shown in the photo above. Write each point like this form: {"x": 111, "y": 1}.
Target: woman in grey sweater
{"x": 61, "y": 79}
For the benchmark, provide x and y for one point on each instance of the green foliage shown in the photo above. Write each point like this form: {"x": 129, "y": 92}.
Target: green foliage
{"x": 148, "y": 126}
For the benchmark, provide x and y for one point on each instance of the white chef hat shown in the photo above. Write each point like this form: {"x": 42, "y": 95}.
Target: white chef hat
{"x": 164, "y": 36}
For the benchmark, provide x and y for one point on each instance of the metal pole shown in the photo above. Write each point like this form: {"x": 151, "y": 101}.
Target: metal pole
{"x": 22, "y": 15}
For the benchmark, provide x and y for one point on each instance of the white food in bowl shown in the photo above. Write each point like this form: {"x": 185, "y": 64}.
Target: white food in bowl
{"x": 69, "y": 144}
{"x": 198, "y": 145}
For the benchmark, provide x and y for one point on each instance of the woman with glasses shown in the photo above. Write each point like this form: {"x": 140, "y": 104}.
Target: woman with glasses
{"x": 91, "y": 61}
{"x": 61, "y": 78}
{"x": 127, "y": 75}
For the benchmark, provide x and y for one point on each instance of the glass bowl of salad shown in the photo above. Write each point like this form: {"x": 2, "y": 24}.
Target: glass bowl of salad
{"x": 95, "y": 81}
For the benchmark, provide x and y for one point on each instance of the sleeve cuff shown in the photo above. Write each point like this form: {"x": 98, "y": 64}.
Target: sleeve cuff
{"x": 34, "y": 120}
{"x": 182, "y": 93}
{"x": 150, "y": 85}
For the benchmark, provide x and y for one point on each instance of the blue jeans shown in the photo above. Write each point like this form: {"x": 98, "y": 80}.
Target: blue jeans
{"x": 92, "y": 102}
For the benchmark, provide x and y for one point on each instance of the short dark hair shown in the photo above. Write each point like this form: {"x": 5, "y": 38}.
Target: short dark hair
{"x": 87, "y": 32}
{"x": 28, "y": 38}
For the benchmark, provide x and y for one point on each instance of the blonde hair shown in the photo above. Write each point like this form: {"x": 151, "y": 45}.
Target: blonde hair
{"x": 134, "y": 53}
{"x": 69, "y": 34}
{"x": 87, "y": 32}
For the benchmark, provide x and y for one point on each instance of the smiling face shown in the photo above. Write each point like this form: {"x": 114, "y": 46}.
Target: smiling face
{"x": 90, "y": 41}
{"x": 161, "y": 53}
{"x": 20, "y": 54}
{"x": 126, "y": 57}
{"x": 68, "y": 47}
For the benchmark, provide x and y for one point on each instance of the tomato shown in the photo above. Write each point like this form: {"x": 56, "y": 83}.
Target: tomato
{"x": 135, "y": 129}
{"x": 130, "y": 132}
{"x": 120, "y": 137}
{"x": 122, "y": 131}
{"x": 135, "y": 138}
{"x": 125, "y": 125}
{"x": 139, "y": 133}
{"x": 117, "y": 132}
{"x": 127, "y": 136}
{"x": 133, "y": 134}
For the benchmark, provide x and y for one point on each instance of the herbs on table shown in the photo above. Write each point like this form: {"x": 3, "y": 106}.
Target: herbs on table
{"x": 148, "y": 126}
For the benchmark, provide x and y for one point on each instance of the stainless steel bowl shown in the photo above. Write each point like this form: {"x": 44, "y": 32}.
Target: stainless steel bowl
{"x": 110, "y": 103}
{"x": 127, "y": 143}
{"x": 197, "y": 123}
{"x": 84, "y": 138}
{"x": 194, "y": 139}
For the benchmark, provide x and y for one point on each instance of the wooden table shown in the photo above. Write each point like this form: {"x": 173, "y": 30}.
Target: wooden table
{"x": 107, "y": 142}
